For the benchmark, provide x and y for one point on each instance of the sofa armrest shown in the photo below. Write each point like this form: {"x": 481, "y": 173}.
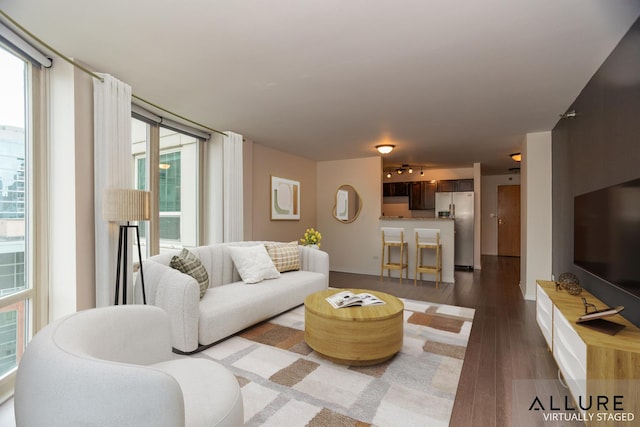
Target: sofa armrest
{"x": 314, "y": 260}
{"x": 179, "y": 295}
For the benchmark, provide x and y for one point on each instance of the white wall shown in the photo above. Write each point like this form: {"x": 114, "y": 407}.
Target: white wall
{"x": 489, "y": 210}
{"x": 536, "y": 206}
{"x": 353, "y": 247}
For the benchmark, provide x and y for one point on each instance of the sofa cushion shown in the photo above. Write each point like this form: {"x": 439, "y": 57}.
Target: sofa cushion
{"x": 188, "y": 263}
{"x": 285, "y": 256}
{"x": 253, "y": 263}
{"x": 210, "y": 391}
{"x": 227, "y": 309}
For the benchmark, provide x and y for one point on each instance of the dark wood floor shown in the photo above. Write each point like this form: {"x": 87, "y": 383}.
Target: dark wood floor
{"x": 505, "y": 342}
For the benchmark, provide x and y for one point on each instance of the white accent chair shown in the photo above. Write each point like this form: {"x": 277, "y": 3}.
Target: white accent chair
{"x": 393, "y": 237}
{"x": 113, "y": 366}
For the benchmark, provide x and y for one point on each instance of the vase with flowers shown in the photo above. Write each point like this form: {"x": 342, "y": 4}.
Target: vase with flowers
{"x": 311, "y": 238}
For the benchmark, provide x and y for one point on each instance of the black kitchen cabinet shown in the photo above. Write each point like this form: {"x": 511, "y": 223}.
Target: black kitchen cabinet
{"x": 395, "y": 189}
{"x": 422, "y": 195}
{"x": 465, "y": 185}
{"x": 455, "y": 185}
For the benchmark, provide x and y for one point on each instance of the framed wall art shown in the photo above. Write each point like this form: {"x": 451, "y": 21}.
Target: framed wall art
{"x": 285, "y": 199}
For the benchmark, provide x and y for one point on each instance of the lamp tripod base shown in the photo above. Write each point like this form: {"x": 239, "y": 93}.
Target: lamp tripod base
{"x": 123, "y": 256}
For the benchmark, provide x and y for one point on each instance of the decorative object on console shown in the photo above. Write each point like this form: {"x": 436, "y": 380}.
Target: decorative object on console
{"x": 570, "y": 283}
{"x": 311, "y": 237}
{"x": 285, "y": 199}
{"x": 120, "y": 205}
{"x": 591, "y": 312}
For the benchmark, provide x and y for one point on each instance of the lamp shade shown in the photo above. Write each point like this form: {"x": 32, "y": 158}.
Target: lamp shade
{"x": 123, "y": 204}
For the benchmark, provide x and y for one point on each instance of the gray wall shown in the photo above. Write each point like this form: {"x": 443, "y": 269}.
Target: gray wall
{"x": 600, "y": 147}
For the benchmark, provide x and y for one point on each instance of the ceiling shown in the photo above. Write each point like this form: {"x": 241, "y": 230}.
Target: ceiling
{"x": 449, "y": 83}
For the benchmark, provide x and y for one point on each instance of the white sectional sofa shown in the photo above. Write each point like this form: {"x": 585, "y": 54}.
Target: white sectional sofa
{"x": 229, "y": 305}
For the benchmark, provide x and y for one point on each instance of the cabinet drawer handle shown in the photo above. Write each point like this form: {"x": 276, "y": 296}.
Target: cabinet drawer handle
{"x": 561, "y": 379}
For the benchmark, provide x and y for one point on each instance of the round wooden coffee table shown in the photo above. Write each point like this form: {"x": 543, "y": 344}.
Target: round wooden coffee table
{"x": 353, "y": 335}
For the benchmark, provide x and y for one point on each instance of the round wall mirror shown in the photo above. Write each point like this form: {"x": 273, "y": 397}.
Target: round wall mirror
{"x": 347, "y": 204}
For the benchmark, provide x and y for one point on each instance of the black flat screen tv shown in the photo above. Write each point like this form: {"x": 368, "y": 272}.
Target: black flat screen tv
{"x": 606, "y": 235}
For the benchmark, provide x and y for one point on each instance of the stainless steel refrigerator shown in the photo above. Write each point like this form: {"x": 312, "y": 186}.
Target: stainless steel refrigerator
{"x": 459, "y": 206}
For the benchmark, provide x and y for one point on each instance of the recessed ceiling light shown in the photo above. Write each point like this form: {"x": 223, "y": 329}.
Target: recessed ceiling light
{"x": 516, "y": 157}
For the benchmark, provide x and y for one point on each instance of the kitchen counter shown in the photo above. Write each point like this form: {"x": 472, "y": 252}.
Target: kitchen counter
{"x": 405, "y": 218}
{"x": 447, "y": 239}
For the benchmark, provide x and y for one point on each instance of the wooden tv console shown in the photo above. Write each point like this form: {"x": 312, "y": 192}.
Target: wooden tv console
{"x": 593, "y": 363}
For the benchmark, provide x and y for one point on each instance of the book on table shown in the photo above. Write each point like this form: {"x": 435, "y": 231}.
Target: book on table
{"x": 349, "y": 299}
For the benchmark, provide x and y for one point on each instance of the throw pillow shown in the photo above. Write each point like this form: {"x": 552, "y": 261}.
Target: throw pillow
{"x": 285, "y": 256}
{"x": 253, "y": 263}
{"x": 188, "y": 263}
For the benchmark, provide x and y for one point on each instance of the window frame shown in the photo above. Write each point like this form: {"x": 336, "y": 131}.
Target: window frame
{"x": 36, "y": 191}
{"x": 152, "y": 156}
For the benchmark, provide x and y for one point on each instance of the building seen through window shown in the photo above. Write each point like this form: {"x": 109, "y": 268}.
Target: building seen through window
{"x": 177, "y": 173}
{"x": 13, "y": 211}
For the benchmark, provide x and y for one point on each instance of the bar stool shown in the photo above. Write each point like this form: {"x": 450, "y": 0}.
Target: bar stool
{"x": 394, "y": 237}
{"x": 428, "y": 238}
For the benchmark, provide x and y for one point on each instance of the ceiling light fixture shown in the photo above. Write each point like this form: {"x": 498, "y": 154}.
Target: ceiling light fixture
{"x": 421, "y": 172}
{"x": 385, "y": 148}
{"x": 410, "y": 169}
{"x": 388, "y": 174}
{"x": 400, "y": 171}
{"x": 516, "y": 157}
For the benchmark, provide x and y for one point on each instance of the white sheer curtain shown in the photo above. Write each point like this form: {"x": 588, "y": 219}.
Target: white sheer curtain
{"x": 112, "y": 169}
{"x": 233, "y": 214}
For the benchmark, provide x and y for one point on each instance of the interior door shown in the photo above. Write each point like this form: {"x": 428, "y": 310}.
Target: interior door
{"x": 509, "y": 220}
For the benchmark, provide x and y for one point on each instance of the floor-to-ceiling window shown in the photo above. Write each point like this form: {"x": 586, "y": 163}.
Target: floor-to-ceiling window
{"x": 16, "y": 291}
{"x": 177, "y": 179}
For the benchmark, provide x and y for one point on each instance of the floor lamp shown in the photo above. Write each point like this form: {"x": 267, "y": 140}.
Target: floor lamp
{"x": 126, "y": 205}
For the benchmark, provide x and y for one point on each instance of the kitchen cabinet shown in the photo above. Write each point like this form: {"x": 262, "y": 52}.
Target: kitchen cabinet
{"x": 395, "y": 189}
{"x": 422, "y": 195}
{"x": 447, "y": 186}
{"x": 455, "y": 185}
{"x": 465, "y": 185}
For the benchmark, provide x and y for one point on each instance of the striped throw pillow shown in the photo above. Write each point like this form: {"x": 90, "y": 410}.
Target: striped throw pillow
{"x": 285, "y": 256}
{"x": 188, "y": 263}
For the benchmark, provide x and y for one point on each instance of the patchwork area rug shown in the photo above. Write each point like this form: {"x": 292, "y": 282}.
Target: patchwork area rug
{"x": 285, "y": 383}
